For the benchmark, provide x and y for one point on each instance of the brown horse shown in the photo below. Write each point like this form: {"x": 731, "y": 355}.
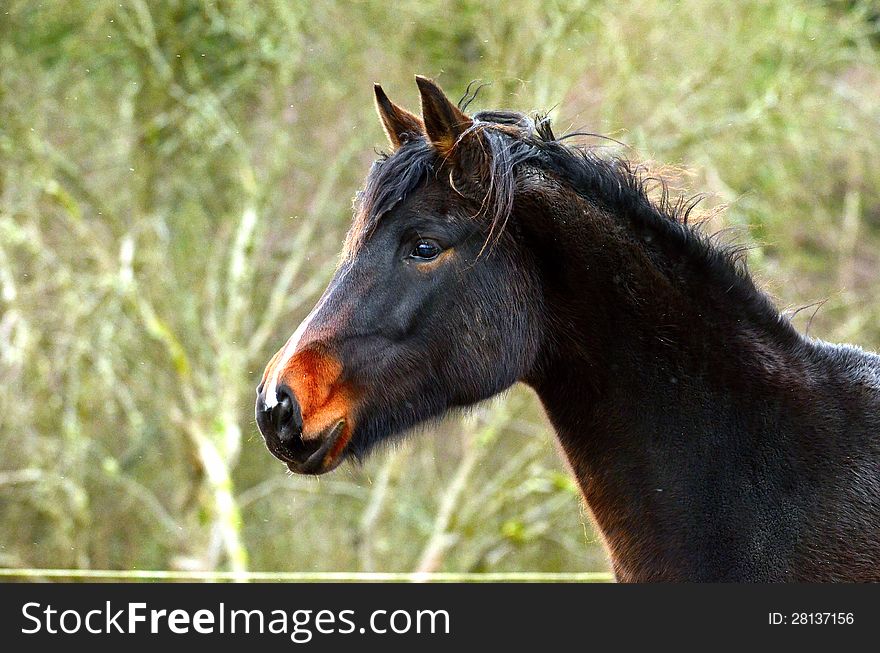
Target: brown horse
{"x": 711, "y": 440}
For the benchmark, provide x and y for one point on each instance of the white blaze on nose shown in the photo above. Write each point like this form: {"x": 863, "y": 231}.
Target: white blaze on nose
{"x": 271, "y": 391}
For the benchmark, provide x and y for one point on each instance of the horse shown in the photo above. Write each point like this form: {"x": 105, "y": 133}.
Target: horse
{"x": 711, "y": 440}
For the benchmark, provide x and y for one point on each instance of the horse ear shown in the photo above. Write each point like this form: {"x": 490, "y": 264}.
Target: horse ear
{"x": 444, "y": 122}
{"x": 397, "y": 121}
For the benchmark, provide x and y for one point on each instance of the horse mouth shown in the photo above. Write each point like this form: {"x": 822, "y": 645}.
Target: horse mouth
{"x": 328, "y": 456}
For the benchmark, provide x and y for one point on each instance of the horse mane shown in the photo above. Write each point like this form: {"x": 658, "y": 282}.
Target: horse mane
{"x": 513, "y": 142}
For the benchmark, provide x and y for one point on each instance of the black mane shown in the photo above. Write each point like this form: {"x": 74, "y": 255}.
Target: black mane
{"x": 515, "y": 142}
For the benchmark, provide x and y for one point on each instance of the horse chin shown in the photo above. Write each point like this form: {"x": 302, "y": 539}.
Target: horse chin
{"x": 331, "y": 453}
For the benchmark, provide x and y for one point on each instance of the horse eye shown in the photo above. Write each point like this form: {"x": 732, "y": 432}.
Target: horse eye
{"x": 425, "y": 250}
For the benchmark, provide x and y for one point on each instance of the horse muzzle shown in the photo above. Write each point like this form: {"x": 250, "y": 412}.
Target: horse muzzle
{"x": 281, "y": 426}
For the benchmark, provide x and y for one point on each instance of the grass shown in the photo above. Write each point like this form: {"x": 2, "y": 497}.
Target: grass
{"x": 175, "y": 183}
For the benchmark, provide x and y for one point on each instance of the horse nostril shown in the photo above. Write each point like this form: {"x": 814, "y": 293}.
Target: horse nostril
{"x": 281, "y": 413}
{"x": 280, "y": 421}
{"x": 286, "y": 416}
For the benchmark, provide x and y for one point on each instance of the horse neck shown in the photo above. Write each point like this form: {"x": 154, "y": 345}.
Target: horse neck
{"x": 654, "y": 371}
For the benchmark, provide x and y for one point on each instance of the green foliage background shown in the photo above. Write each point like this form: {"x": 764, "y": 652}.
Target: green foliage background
{"x": 175, "y": 183}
